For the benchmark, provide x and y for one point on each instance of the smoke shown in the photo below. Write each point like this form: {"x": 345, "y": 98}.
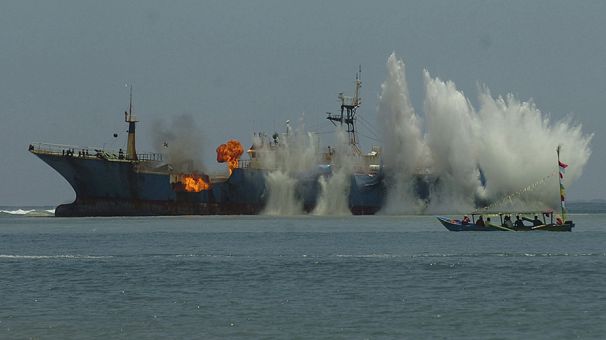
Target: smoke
{"x": 181, "y": 141}
{"x": 508, "y": 141}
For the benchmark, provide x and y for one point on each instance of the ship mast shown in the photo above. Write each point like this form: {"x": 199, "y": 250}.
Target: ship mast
{"x": 131, "y": 151}
{"x": 349, "y": 106}
{"x": 561, "y": 167}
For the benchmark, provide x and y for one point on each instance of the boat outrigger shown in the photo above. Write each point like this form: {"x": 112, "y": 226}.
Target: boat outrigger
{"x": 546, "y": 223}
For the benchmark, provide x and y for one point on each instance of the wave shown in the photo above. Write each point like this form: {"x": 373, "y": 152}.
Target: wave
{"x": 510, "y": 255}
{"x": 45, "y": 257}
{"x": 390, "y": 256}
{"x": 380, "y": 256}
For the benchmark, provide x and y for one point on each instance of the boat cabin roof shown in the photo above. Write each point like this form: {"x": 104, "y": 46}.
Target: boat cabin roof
{"x": 500, "y": 213}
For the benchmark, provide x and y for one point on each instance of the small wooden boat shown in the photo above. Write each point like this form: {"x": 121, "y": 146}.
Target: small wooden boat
{"x": 544, "y": 224}
{"x": 506, "y": 223}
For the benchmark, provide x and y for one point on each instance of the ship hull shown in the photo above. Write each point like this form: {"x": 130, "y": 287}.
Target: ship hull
{"x": 110, "y": 188}
{"x": 122, "y": 188}
{"x": 100, "y": 178}
{"x": 113, "y": 207}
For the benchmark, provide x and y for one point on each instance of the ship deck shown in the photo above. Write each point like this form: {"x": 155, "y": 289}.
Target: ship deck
{"x": 90, "y": 153}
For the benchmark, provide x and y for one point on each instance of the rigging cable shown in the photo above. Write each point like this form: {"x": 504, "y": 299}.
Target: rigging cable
{"x": 517, "y": 193}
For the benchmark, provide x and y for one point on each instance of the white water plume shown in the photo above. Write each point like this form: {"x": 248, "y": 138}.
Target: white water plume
{"x": 334, "y": 189}
{"x": 288, "y": 156}
{"x": 453, "y": 144}
{"x": 334, "y": 194}
{"x": 282, "y": 198}
{"x": 404, "y": 150}
{"x": 512, "y": 142}
{"x": 521, "y": 149}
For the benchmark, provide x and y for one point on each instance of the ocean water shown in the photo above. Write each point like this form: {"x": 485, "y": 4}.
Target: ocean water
{"x": 371, "y": 277}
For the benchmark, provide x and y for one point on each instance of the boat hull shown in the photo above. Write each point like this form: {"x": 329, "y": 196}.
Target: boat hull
{"x": 456, "y": 225}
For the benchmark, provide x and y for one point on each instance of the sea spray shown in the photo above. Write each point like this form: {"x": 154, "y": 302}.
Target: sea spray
{"x": 288, "y": 156}
{"x": 404, "y": 148}
{"x": 509, "y": 142}
{"x": 452, "y": 141}
{"x": 334, "y": 194}
{"x": 282, "y": 198}
{"x": 335, "y": 187}
{"x": 518, "y": 147}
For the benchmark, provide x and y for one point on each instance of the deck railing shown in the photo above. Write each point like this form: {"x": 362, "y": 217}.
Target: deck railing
{"x": 90, "y": 152}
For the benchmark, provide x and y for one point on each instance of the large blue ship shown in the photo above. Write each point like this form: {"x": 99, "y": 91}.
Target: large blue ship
{"x": 127, "y": 183}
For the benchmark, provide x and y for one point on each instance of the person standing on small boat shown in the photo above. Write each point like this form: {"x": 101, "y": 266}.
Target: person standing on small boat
{"x": 465, "y": 220}
{"x": 480, "y": 221}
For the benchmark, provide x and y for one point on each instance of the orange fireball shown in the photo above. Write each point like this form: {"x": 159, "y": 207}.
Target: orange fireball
{"x": 230, "y": 153}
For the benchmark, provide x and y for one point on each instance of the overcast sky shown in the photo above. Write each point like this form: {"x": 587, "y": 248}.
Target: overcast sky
{"x": 243, "y": 66}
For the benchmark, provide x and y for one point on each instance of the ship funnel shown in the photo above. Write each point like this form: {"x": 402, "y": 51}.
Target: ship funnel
{"x": 131, "y": 150}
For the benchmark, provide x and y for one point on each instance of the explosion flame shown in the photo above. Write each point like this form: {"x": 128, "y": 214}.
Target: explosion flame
{"x": 195, "y": 184}
{"x": 230, "y": 153}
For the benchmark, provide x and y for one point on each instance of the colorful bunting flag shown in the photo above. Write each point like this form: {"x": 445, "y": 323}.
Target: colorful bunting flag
{"x": 562, "y": 171}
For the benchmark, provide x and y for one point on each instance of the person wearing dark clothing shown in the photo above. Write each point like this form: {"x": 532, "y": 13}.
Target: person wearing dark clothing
{"x": 535, "y": 222}
{"x": 519, "y": 223}
{"x": 480, "y": 221}
{"x": 507, "y": 223}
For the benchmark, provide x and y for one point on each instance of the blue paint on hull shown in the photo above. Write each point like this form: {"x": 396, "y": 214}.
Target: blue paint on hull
{"x": 118, "y": 188}
{"x": 99, "y": 178}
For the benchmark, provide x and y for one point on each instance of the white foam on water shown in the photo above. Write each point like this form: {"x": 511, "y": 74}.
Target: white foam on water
{"x": 28, "y": 212}
{"x": 17, "y": 212}
{"x": 42, "y": 257}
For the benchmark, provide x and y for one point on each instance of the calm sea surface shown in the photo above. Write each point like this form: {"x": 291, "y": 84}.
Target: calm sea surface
{"x": 301, "y": 277}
